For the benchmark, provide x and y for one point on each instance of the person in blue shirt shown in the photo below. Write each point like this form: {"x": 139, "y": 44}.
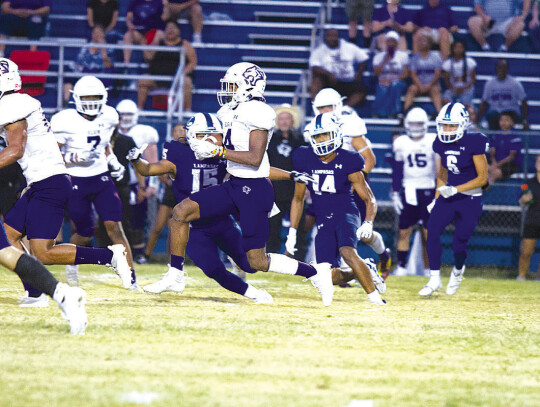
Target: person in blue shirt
{"x": 339, "y": 225}
{"x": 458, "y": 198}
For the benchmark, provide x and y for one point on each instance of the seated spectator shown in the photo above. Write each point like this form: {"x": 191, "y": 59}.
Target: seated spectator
{"x": 191, "y": 10}
{"x": 459, "y": 73}
{"x": 501, "y": 94}
{"x": 144, "y": 22}
{"x": 473, "y": 123}
{"x": 392, "y": 68}
{"x": 333, "y": 66}
{"x": 505, "y": 150}
{"x": 91, "y": 60}
{"x": 391, "y": 17}
{"x": 28, "y": 18}
{"x": 103, "y": 13}
{"x": 531, "y": 228}
{"x": 364, "y": 9}
{"x": 534, "y": 28}
{"x": 437, "y": 23}
{"x": 167, "y": 63}
{"x": 498, "y": 17}
{"x": 425, "y": 68}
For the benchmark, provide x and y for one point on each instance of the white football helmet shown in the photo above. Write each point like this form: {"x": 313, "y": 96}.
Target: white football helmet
{"x": 128, "y": 113}
{"x": 452, "y": 113}
{"x": 203, "y": 123}
{"x": 321, "y": 124}
{"x": 89, "y": 86}
{"x": 10, "y": 80}
{"x": 241, "y": 83}
{"x": 416, "y": 123}
{"x": 328, "y": 97}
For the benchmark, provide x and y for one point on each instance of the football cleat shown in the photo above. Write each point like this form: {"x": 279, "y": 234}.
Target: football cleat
{"x": 455, "y": 280}
{"x": 120, "y": 264}
{"x": 72, "y": 275}
{"x": 173, "y": 280}
{"x": 134, "y": 287}
{"x": 140, "y": 259}
{"x": 263, "y": 297}
{"x": 401, "y": 272}
{"x": 378, "y": 281}
{"x": 385, "y": 261}
{"x": 322, "y": 281}
{"x": 433, "y": 285}
{"x": 71, "y": 301}
{"x": 38, "y": 302}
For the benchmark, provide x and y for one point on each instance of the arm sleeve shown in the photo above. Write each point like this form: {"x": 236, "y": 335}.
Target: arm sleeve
{"x": 520, "y": 92}
{"x": 481, "y": 144}
{"x": 357, "y": 163}
{"x": 57, "y": 130}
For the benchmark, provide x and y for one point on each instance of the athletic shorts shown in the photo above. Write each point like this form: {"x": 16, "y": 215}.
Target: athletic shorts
{"x": 531, "y": 229}
{"x": 335, "y": 231}
{"x": 168, "y": 197}
{"x": 359, "y": 8}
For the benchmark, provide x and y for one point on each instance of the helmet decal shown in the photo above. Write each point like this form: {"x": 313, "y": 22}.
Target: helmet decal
{"x": 253, "y": 75}
{"x": 4, "y": 66}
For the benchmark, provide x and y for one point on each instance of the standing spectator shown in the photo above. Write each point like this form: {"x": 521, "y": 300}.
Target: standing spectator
{"x": 437, "y": 23}
{"x": 192, "y": 10}
{"x": 459, "y": 73}
{"x": 531, "y": 229}
{"x": 392, "y": 68}
{"x": 29, "y": 15}
{"x": 333, "y": 66}
{"x": 501, "y": 94}
{"x": 498, "y": 17}
{"x": 167, "y": 62}
{"x": 391, "y": 17}
{"x": 364, "y": 9}
{"x": 103, "y": 13}
{"x": 534, "y": 28}
{"x": 505, "y": 150}
{"x": 425, "y": 74}
{"x": 144, "y": 21}
{"x": 285, "y": 139}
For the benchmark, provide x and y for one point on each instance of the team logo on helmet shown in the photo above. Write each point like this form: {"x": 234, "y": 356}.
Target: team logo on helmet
{"x": 4, "y": 66}
{"x": 253, "y": 75}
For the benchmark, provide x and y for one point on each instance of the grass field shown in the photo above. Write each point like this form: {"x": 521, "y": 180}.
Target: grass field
{"x": 208, "y": 347}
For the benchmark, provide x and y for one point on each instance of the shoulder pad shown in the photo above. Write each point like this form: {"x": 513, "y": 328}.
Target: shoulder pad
{"x": 17, "y": 106}
{"x": 256, "y": 114}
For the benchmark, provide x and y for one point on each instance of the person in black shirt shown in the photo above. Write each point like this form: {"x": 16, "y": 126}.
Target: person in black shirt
{"x": 103, "y": 13}
{"x": 284, "y": 140}
{"x": 531, "y": 227}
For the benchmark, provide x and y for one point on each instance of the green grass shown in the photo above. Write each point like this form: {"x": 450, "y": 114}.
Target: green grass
{"x": 209, "y": 347}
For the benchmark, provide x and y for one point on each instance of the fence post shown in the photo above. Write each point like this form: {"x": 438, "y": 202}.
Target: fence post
{"x": 60, "y": 90}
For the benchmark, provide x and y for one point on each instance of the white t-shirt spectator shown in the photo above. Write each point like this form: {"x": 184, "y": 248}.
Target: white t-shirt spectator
{"x": 393, "y": 69}
{"x": 339, "y": 61}
{"x": 455, "y": 71}
{"x": 504, "y": 95}
{"x": 425, "y": 67}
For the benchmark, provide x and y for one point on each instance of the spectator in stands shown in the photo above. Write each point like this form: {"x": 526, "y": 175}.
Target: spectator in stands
{"x": 437, "y": 22}
{"x": 498, "y": 17}
{"x": 534, "y": 28}
{"x": 285, "y": 139}
{"x": 191, "y": 10}
{"x": 25, "y": 16}
{"x": 503, "y": 93}
{"x": 167, "y": 63}
{"x": 144, "y": 20}
{"x": 425, "y": 68}
{"x": 91, "y": 60}
{"x": 505, "y": 150}
{"x": 473, "y": 123}
{"x": 391, "y": 18}
{"x": 363, "y": 9}
{"x": 103, "y": 13}
{"x": 333, "y": 66}
{"x": 392, "y": 68}
{"x": 531, "y": 229}
{"x": 459, "y": 73}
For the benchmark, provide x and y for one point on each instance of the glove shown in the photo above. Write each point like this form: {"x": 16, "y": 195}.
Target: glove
{"x": 135, "y": 153}
{"x": 431, "y": 205}
{"x": 204, "y": 149}
{"x": 117, "y": 169}
{"x": 396, "y": 202}
{"x": 365, "y": 231}
{"x": 447, "y": 191}
{"x": 82, "y": 157}
{"x": 291, "y": 241}
{"x": 301, "y": 177}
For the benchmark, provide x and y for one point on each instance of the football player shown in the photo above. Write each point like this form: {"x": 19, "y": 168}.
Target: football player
{"x": 413, "y": 181}
{"x": 335, "y": 170}
{"x": 461, "y": 177}
{"x": 354, "y": 139}
{"x": 248, "y": 123}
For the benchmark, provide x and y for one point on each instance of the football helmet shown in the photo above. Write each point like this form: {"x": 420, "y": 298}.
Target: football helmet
{"x": 322, "y": 124}
{"x": 10, "y": 80}
{"x": 241, "y": 83}
{"x": 89, "y": 86}
{"x": 128, "y": 113}
{"x": 328, "y": 97}
{"x": 416, "y": 123}
{"x": 452, "y": 113}
{"x": 203, "y": 123}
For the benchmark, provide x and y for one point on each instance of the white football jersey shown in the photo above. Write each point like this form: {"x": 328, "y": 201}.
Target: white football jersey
{"x": 419, "y": 159}
{"x": 78, "y": 134}
{"x": 42, "y": 158}
{"x": 352, "y": 126}
{"x": 237, "y": 124}
{"x": 143, "y": 134}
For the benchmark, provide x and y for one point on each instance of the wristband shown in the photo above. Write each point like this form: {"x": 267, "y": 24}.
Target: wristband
{"x": 365, "y": 173}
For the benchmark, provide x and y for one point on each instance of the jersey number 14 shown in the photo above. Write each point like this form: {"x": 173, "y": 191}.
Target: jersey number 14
{"x": 328, "y": 184}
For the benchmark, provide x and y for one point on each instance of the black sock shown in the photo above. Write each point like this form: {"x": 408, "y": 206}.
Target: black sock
{"x": 367, "y": 42}
{"x": 352, "y": 39}
{"x": 31, "y": 270}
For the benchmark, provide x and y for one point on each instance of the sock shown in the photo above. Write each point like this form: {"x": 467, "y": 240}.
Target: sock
{"x": 91, "y": 255}
{"x": 378, "y": 243}
{"x": 305, "y": 270}
{"x": 133, "y": 277}
{"x": 282, "y": 264}
{"x": 367, "y": 42}
{"x": 402, "y": 258}
{"x": 459, "y": 259}
{"x": 434, "y": 274}
{"x": 31, "y": 271}
{"x": 137, "y": 251}
{"x": 352, "y": 39}
{"x": 197, "y": 37}
{"x": 32, "y": 292}
{"x": 177, "y": 262}
{"x": 251, "y": 292}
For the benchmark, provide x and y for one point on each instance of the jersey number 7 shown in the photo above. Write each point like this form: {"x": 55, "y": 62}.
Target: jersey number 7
{"x": 93, "y": 139}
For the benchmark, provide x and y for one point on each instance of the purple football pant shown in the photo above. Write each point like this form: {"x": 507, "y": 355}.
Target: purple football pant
{"x": 4, "y": 242}
{"x": 334, "y": 232}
